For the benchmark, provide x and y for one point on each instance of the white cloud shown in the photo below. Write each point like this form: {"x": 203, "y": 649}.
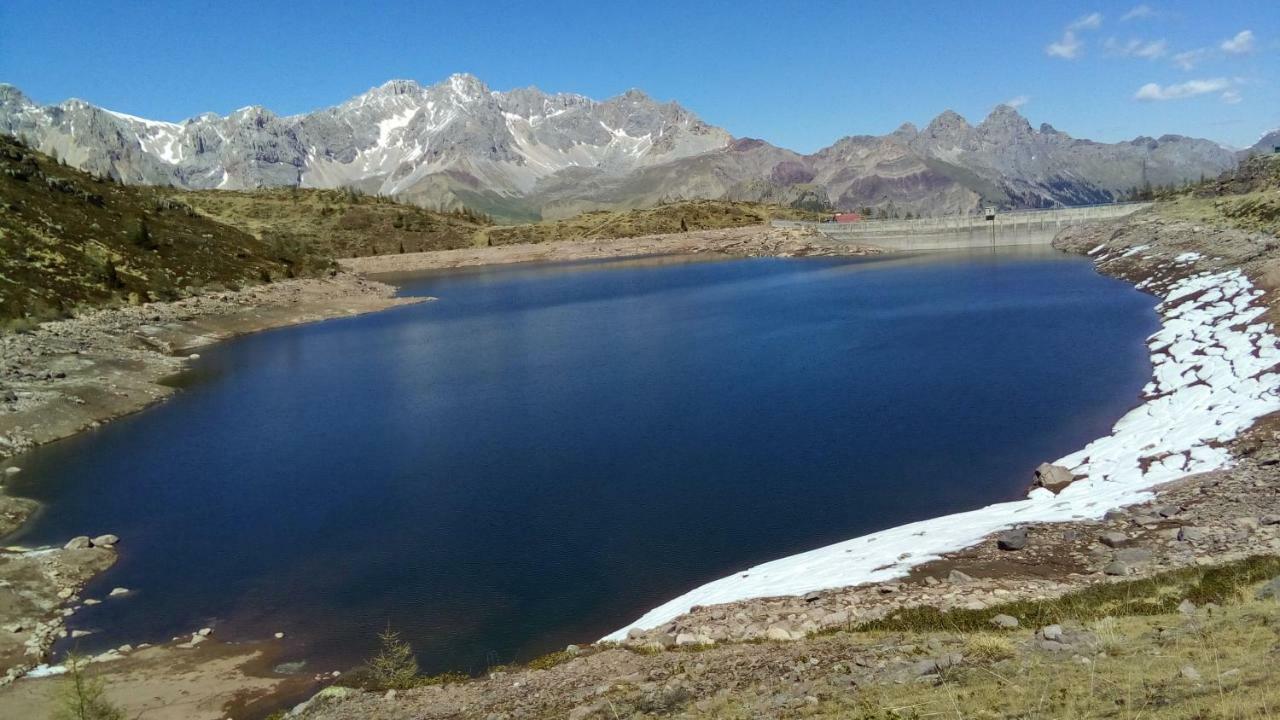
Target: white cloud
{"x": 1148, "y": 49}
{"x": 1240, "y": 44}
{"x": 1068, "y": 48}
{"x": 1092, "y": 21}
{"x": 1017, "y": 102}
{"x": 1231, "y": 97}
{"x": 1137, "y": 13}
{"x": 1189, "y": 59}
{"x": 1178, "y": 91}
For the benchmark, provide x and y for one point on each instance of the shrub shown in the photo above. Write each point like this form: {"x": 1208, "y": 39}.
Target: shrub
{"x": 82, "y": 697}
{"x": 394, "y": 667}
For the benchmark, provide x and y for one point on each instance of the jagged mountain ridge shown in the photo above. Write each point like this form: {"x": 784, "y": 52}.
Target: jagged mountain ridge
{"x": 526, "y": 154}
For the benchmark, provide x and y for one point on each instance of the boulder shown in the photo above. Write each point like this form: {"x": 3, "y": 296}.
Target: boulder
{"x": 1113, "y": 539}
{"x": 79, "y": 543}
{"x": 105, "y": 541}
{"x": 1271, "y": 590}
{"x": 1006, "y": 622}
{"x": 1051, "y": 632}
{"x": 1012, "y": 539}
{"x": 1190, "y": 534}
{"x": 1134, "y": 555}
{"x": 959, "y": 578}
{"x": 1269, "y": 519}
{"x": 1116, "y": 568}
{"x": 1053, "y": 478}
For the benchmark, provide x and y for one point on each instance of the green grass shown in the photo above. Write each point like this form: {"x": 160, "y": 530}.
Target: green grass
{"x": 70, "y": 240}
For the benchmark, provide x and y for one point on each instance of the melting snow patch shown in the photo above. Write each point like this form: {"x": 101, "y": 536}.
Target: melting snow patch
{"x": 44, "y": 670}
{"x": 1215, "y": 373}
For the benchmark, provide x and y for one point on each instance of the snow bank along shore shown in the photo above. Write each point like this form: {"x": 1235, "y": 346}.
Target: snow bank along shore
{"x": 1215, "y": 372}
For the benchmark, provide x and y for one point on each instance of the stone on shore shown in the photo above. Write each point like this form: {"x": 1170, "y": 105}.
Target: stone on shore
{"x": 105, "y": 541}
{"x": 1053, "y": 478}
{"x": 1012, "y": 539}
{"x": 1113, "y": 539}
{"x": 78, "y": 543}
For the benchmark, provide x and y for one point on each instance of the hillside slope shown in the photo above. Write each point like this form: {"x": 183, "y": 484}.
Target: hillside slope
{"x": 664, "y": 218}
{"x": 339, "y": 223}
{"x": 69, "y": 239}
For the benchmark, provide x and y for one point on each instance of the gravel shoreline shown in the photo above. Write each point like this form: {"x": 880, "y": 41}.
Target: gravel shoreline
{"x": 72, "y": 375}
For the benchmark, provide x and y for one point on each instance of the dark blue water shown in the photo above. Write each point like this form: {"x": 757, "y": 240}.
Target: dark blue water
{"x": 549, "y": 451}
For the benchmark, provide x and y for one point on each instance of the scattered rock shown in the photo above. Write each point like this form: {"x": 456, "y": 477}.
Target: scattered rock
{"x": 105, "y": 541}
{"x": 1116, "y": 568}
{"x": 1168, "y": 511}
{"x": 1270, "y": 590}
{"x": 117, "y": 592}
{"x": 1133, "y": 556}
{"x": 1012, "y": 539}
{"x": 1007, "y": 622}
{"x": 1189, "y": 673}
{"x": 1051, "y": 632}
{"x": 1113, "y": 539}
{"x": 1269, "y": 520}
{"x": 1186, "y": 607}
{"x": 959, "y": 578}
{"x": 1190, "y": 534}
{"x": 79, "y": 543}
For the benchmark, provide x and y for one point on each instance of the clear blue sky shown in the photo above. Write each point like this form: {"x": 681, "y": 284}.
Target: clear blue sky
{"x": 797, "y": 74}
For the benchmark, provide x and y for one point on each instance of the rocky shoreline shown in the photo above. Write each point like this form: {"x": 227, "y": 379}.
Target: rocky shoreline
{"x": 72, "y": 375}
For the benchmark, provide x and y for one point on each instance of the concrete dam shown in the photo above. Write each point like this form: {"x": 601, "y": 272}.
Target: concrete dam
{"x": 1021, "y": 227}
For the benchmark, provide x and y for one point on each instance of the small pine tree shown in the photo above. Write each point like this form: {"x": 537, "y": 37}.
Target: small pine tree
{"x": 82, "y": 697}
{"x": 394, "y": 667}
{"x": 142, "y": 236}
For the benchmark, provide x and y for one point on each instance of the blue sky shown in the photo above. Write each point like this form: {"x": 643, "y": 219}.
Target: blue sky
{"x": 797, "y": 74}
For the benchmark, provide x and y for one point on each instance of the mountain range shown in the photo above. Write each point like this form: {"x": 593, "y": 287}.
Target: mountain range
{"x": 526, "y": 154}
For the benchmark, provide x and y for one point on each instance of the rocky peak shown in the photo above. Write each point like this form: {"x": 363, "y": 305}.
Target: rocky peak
{"x": 466, "y": 86}
{"x": 10, "y": 95}
{"x": 398, "y": 87}
{"x": 906, "y": 132}
{"x": 1005, "y": 124}
{"x": 948, "y": 121}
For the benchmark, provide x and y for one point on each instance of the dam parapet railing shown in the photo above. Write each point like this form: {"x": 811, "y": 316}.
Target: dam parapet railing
{"x": 1018, "y": 227}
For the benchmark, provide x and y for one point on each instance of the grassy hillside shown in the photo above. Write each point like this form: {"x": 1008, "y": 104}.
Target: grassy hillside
{"x": 666, "y": 218}
{"x": 69, "y": 239}
{"x": 1247, "y": 198}
{"x": 336, "y": 222}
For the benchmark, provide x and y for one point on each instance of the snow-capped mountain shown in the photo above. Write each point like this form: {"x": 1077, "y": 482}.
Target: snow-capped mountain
{"x": 392, "y": 139}
{"x": 526, "y": 154}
